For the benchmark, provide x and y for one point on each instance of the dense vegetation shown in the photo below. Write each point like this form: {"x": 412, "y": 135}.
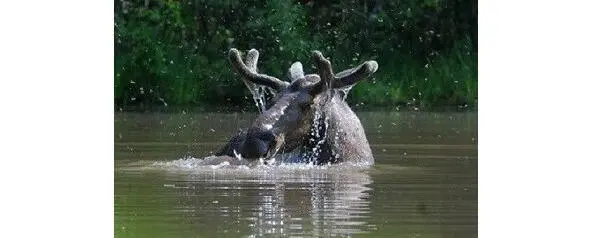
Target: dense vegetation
{"x": 171, "y": 52}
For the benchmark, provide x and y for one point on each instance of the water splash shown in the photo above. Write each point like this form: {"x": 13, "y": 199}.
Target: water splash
{"x": 318, "y": 139}
{"x": 232, "y": 166}
{"x": 211, "y": 162}
{"x": 344, "y": 91}
{"x": 258, "y": 94}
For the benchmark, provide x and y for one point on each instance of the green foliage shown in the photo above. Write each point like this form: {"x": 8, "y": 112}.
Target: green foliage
{"x": 175, "y": 52}
{"x": 447, "y": 79}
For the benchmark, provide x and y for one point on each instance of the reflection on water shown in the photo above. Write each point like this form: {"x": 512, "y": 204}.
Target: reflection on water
{"x": 424, "y": 183}
{"x": 285, "y": 199}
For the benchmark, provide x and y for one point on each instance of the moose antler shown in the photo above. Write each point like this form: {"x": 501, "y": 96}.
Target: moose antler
{"x": 327, "y": 77}
{"x": 252, "y": 59}
{"x": 249, "y": 70}
{"x": 344, "y": 78}
{"x": 353, "y": 75}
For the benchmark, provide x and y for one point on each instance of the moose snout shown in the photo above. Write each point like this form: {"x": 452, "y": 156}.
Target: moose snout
{"x": 257, "y": 144}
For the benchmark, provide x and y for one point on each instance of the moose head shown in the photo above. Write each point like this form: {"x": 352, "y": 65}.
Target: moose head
{"x": 308, "y": 115}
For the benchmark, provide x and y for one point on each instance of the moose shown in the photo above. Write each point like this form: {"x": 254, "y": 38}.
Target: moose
{"x": 308, "y": 117}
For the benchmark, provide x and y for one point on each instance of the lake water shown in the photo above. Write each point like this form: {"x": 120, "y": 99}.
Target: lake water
{"x": 424, "y": 182}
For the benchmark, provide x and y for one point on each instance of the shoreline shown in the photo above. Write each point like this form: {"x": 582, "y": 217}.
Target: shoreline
{"x": 251, "y": 109}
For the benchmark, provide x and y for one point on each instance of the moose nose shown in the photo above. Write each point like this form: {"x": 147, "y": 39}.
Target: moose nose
{"x": 258, "y": 144}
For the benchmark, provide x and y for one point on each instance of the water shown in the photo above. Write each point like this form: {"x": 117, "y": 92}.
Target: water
{"x": 424, "y": 183}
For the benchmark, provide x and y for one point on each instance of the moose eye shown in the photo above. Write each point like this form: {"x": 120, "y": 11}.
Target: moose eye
{"x": 304, "y": 102}
{"x": 304, "y": 106}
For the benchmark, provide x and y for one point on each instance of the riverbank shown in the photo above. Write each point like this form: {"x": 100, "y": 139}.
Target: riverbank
{"x": 251, "y": 108}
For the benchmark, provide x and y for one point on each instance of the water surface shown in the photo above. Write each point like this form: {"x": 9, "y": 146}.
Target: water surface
{"x": 424, "y": 183}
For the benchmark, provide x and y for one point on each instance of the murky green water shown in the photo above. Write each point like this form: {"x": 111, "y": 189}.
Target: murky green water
{"x": 424, "y": 183}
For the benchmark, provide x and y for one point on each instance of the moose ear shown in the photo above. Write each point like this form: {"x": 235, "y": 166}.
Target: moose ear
{"x": 296, "y": 71}
{"x": 351, "y": 76}
{"x": 308, "y": 81}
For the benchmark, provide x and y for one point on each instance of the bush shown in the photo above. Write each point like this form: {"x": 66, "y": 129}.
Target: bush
{"x": 175, "y": 52}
